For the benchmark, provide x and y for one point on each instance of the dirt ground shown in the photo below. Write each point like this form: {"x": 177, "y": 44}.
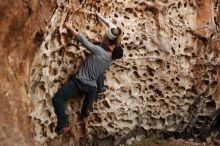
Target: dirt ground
{"x": 180, "y": 143}
{"x": 175, "y": 143}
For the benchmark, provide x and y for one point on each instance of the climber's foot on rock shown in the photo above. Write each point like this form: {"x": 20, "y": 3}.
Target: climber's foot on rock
{"x": 64, "y": 130}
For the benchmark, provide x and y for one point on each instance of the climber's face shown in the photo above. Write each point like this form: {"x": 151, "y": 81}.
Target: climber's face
{"x": 111, "y": 47}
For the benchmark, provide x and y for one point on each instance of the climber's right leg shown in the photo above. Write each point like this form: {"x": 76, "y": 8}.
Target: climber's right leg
{"x": 70, "y": 89}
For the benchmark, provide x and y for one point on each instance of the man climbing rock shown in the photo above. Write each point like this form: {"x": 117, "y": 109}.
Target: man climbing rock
{"x": 84, "y": 81}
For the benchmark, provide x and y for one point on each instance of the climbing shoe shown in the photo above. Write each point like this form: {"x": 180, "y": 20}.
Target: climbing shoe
{"x": 64, "y": 130}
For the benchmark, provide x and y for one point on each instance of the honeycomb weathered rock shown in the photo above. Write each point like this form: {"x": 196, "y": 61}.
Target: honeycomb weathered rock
{"x": 167, "y": 79}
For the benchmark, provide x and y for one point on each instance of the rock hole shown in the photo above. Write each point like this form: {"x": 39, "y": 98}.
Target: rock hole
{"x": 213, "y": 84}
{"x": 179, "y": 4}
{"x": 158, "y": 92}
{"x": 210, "y": 105}
{"x": 135, "y": 14}
{"x": 188, "y": 49}
{"x": 150, "y": 79}
{"x": 130, "y": 55}
{"x": 87, "y": 27}
{"x": 214, "y": 72}
{"x": 58, "y": 62}
{"x": 70, "y": 54}
{"x": 122, "y": 24}
{"x": 52, "y": 55}
{"x": 44, "y": 131}
{"x": 172, "y": 108}
{"x": 105, "y": 103}
{"x": 152, "y": 98}
{"x": 63, "y": 72}
{"x": 136, "y": 2}
{"x": 181, "y": 89}
{"x": 41, "y": 104}
{"x": 150, "y": 71}
{"x": 151, "y": 87}
{"x": 38, "y": 38}
{"x": 168, "y": 88}
{"x": 96, "y": 118}
{"x": 134, "y": 67}
{"x": 44, "y": 59}
{"x": 173, "y": 51}
{"x": 153, "y": 10}
{"x": 125, "y": 38}
{"x": 46, "y": 46}
{"x": 196, "y": 130}
{"x": 206, "y": 82}
{"x": 29, "y": 10}
{"x": 45, "y": 114}
{"x": 164, "y": 1}
{"x": 111, "y": 125}
{"x": 206, "y": 76}
{"x": 129, "y": 10}
{"x": 116, "y": 15}
{"x": 42, "y": 88}
{"x": 136, "y": 74}
{"x": 177, "y": 78}
{"x": 164, "y": 105}
{"x": 215, "y": 20}
{"x": 126, "y": 17}
{"x": 53, "y": 71}
{"x": 51, "y": 127}
{"x": 129, "y": 47}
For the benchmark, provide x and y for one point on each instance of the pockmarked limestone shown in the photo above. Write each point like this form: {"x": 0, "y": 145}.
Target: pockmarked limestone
{"x": 168, "y": 79}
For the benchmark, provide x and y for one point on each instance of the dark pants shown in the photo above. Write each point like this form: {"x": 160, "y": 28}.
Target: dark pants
{"x": 72, "y": 88}
{"x": 100, "y": 83}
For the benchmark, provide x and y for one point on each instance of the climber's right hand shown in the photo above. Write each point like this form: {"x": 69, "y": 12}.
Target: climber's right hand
{"x": 68, "y": 25}
{"x": 70, "y": 28}
{"x": 98, "y": 15}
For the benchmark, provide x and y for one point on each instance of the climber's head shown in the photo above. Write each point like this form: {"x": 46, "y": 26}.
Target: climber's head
{"x": 116, "y": 50}
{"x": 113, "y": 32}
{"x": 116, "y": 31}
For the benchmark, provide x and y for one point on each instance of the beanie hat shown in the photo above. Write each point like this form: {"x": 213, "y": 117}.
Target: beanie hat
{"x": 109, "y": 34}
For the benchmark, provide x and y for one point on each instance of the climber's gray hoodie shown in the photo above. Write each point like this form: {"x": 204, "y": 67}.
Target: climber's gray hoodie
{"x": 95, "y": 64}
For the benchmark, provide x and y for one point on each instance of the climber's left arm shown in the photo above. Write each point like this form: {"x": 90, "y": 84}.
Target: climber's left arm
{"x": 106, "y": 21}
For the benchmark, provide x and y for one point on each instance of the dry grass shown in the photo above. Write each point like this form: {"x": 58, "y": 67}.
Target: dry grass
{"x": 152, "y": 140}
{"x": 156, "y": 140}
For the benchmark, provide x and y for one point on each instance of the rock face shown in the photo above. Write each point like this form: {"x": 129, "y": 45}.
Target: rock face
{"x": 166, "y": 83}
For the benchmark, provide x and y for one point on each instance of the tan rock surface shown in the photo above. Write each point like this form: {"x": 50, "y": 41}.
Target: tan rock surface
{"x": 167, "y": 80}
